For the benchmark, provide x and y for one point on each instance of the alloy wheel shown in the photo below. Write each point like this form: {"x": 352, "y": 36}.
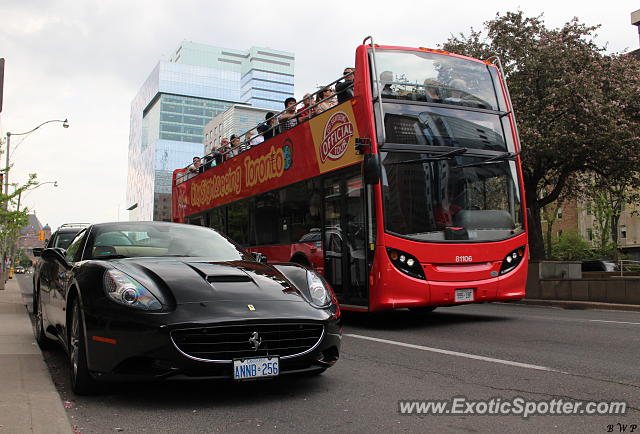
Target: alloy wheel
{"x": 74, "y": 338}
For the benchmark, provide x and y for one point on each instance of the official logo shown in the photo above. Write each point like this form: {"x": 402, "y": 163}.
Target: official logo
{"x": 337, "y": 133}
{"x": 255, "y": 340}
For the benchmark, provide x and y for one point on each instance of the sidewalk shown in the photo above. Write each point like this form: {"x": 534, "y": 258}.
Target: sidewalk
{"x": 29, "y": 402}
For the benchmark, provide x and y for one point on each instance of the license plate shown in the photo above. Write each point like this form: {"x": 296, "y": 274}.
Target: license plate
{"x": 256, "y": 368}
{"x": 464, "y": 295}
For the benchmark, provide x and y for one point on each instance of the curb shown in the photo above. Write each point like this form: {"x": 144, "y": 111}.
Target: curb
{"x": 572, "y": 304}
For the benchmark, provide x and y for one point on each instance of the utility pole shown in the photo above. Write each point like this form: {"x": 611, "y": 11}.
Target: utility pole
{"x": 1, "y": 81}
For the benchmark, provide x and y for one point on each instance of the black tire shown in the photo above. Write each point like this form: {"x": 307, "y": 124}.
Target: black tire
{"x": 81, "y": 381}
{"x": 423, "y": 309}
{"x": 41, "y": 338}
{"x": 34, "y": 300}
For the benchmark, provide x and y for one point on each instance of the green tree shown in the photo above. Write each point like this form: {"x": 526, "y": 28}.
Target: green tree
{"x": 570, "y": 246}
{"x": 574, "y": 105}
{"x": 22, "y": 258}
{"x": 12, "y": 219}
{"x": 608, "y": 198}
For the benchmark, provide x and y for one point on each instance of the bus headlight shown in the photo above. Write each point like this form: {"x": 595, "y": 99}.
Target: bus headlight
{"x": 406, "y": 263}
{"x": 511, "y": 261}
{"x": 318, "y": 292}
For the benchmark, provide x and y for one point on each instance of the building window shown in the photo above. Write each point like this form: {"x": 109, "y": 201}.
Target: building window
{"x": 590, "y": 234}
{"x": 559, "y": 213}
{"x": 623, "y": 232}
{"x": 559, "y": 233}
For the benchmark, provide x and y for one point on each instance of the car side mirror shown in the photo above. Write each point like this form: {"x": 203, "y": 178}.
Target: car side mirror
{"x": 56, "y": 254}
{"x": 37, "y": 251}
{"x": 371, "y": 169}
{"x": 259, "y": 257}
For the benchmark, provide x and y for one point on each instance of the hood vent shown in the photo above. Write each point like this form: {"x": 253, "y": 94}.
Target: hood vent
{"x": 228, "y": 278}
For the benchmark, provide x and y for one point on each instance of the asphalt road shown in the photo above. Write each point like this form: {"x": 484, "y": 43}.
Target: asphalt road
{"x": 477, "y": 351}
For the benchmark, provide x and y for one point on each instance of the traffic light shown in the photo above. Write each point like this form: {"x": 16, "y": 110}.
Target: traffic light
{"x": 41, "y": 235}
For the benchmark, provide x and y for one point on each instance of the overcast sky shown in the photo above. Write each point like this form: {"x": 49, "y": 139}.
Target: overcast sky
{"x": 85, "y": 60}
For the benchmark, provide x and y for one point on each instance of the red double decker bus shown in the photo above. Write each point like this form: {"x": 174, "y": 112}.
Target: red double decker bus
{"x": 407, "y": 195}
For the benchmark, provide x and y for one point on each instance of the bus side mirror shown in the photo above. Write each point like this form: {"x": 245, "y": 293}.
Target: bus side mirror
{"x": 259, "y": 257}
{"x": 37, "y": 251}
{"x": 371, "y": 169}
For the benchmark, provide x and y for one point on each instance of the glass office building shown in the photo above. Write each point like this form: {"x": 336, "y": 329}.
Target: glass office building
{"x": 179, "y": 98}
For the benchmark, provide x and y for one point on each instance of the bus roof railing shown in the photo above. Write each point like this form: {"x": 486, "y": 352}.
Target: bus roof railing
{"x": 246, "y": 143}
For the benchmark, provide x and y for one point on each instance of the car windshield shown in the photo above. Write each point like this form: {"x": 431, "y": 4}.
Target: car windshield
{"x": 119, "y": 240}
{"x": 459, "y": 198}
{"x": 434, "y": 77}
{"x": 64, "y": 239}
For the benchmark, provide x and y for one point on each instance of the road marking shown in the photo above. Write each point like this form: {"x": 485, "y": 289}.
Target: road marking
{"x": 457, "y": 354}
{"x": 615, "y": 322}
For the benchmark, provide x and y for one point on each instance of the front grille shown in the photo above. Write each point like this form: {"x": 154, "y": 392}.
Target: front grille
{"x": 227, "y": 342}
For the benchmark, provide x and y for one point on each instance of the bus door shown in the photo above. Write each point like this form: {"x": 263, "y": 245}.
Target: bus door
{"x": 345, "y": 237}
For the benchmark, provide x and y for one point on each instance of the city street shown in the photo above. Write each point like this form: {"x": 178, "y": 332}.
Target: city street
{"x": 478, "y": 351}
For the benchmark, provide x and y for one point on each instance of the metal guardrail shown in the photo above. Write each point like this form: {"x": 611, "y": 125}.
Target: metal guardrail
{"x": 627, "y": 262}
{"x": 245, "y": 145}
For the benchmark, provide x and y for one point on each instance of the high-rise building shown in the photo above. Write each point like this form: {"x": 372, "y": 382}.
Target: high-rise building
{"x": 177, "y": 100}
{"x": 237, "y": 120}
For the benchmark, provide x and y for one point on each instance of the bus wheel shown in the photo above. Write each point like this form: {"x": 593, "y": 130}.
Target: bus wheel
{"x": 423, "y": 309}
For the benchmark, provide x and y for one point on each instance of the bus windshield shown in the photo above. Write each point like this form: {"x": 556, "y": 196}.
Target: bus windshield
{"x": 432, "y": 77}
{"x": 443, "y": 126}
{"x": 461, "y": 198}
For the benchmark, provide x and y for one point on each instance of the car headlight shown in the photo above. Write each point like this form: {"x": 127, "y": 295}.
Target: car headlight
{"x": 125, "y": 290}
{"x": 319, "y": 293}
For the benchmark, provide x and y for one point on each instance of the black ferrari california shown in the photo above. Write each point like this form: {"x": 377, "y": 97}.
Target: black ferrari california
{"x": 153, "y": 300}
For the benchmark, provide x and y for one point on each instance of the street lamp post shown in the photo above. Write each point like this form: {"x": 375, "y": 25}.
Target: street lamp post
{"x": 65, "y": 124}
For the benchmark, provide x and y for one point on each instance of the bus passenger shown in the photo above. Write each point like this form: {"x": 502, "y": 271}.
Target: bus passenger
{"x": 221, "y": 152}
{"x": 344, "y": 89}
{"x": 209, "y": 160}
{"x": 456, "y": 93}
{"x": 304, "y": 112}
{"x": 196, "y": 166}
{"x": 431, "y": 90}
{"x": 328, "y": 99}
{"x": 267, "y": 129}
{"x": 235, "y": 143}
{"x": 289, "y": 118}
{"x": 256, "y": 140}
{"x": 386, "y": 78}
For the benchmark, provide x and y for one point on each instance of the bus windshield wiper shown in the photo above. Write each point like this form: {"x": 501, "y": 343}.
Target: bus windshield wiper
{"x": 500, "y": 158}
{"x": 437, "y": 157}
